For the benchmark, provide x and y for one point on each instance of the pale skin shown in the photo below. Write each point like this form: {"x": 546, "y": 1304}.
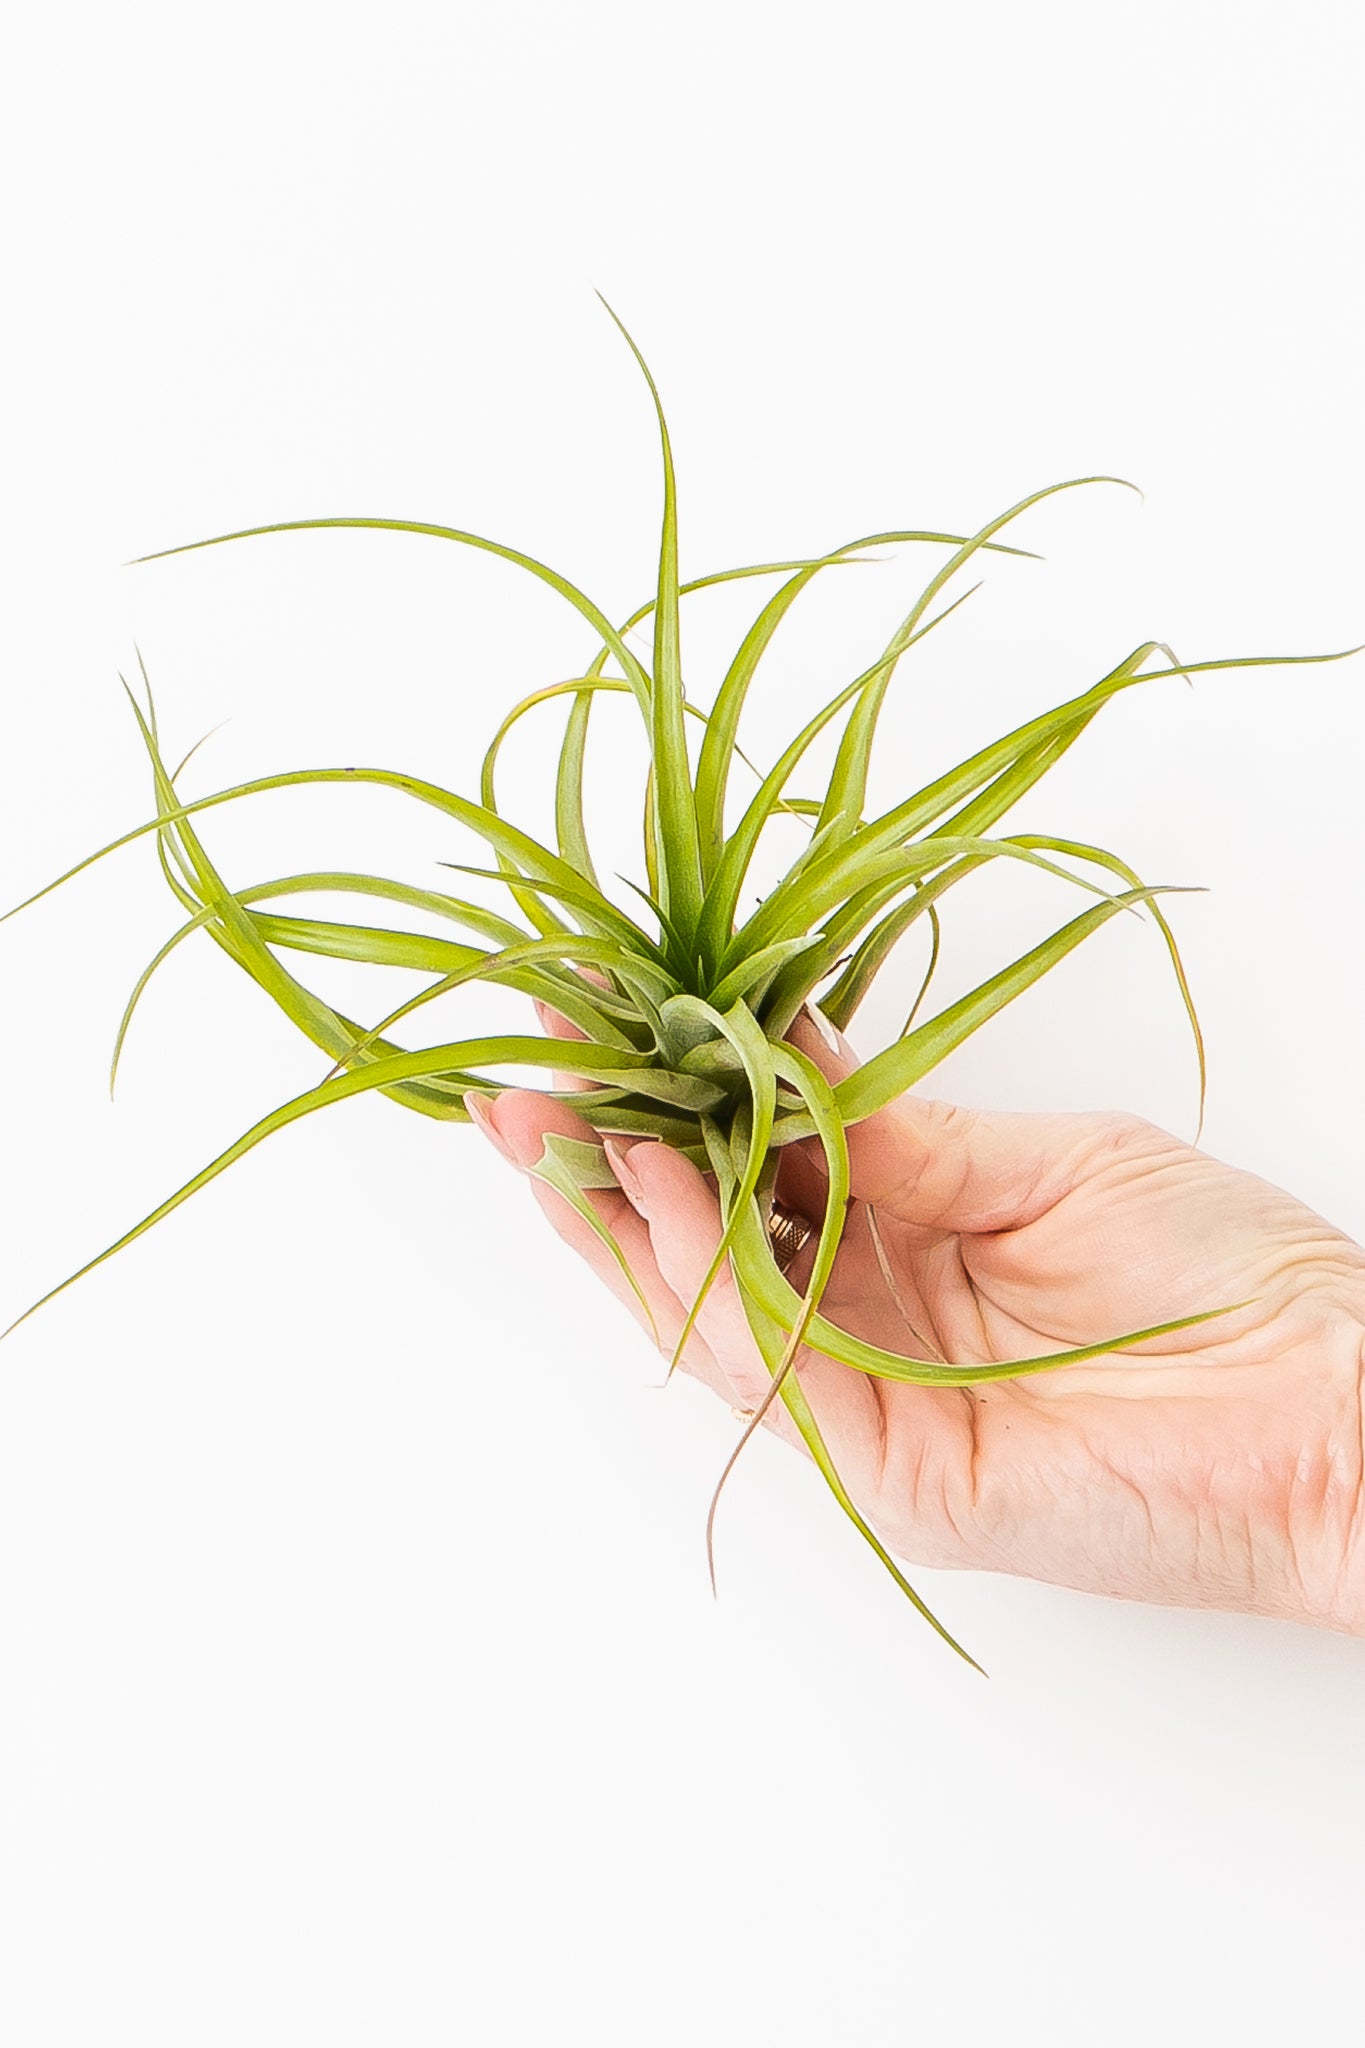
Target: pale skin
{"x": 1222, "y": 1466}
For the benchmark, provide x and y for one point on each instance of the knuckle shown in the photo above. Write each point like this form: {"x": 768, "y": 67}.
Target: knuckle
{"x": 1120, "y": 1134}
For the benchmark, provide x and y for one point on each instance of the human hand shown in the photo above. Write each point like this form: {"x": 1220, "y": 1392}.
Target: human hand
{"x": 1221, "y": 1466}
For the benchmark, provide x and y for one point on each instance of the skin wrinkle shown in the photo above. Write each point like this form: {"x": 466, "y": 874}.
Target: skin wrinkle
{"x": 1333, "y": 1485}
{"x": 1138, "y": 1493}
{"x": 1310, "y": 1562}
{"x": 1006, "y": 1499}
{"x": 952, "y": 1269}
{"x": 882, "y": 1447}
{"x": 1284, "y": 1501}
{"x": 950, "y": 1509}
{"x": 949, "y": 1473}
{"x": 1240, "y": 1561}
{"x": 1356, "y": 1521}
{"x": 1296, "y": 1558}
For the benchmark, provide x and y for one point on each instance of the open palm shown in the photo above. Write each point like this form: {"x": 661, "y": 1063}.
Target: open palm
{"x": 1217, "y": 1466}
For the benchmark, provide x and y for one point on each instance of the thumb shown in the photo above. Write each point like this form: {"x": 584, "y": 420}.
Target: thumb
{"x": 943, "y": 1167}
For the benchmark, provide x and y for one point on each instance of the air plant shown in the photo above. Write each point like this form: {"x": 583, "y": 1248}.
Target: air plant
{"x": 683, "y": 1001}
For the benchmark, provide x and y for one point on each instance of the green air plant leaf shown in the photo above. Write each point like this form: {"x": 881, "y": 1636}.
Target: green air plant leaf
{"x": 680, "y": 1005}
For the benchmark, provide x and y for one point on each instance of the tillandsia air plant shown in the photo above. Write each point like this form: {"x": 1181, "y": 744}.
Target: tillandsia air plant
{"x": 683, "y": 999}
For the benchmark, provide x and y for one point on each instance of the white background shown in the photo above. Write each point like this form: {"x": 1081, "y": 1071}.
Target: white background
{"x": 359, "y": 1677}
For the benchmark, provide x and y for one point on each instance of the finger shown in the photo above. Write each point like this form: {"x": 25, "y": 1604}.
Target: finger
{"x": 940, "y": 1166}
{"x": 814, "y": 1035}
{"x": 556, "y": 1026}
{"x": 684, "y": 1222}
{"x": 517, "y": 1122}
{"x": 681, "y": 1216}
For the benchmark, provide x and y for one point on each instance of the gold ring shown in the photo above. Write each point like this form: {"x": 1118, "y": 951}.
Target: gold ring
{"x": 787, "y": 1234}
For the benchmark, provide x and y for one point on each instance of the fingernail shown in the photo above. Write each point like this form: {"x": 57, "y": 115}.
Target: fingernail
{"x": 618, "y": 1157}
{"x": 824, "y": 1027}
{"x": 481, "y": 1113}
